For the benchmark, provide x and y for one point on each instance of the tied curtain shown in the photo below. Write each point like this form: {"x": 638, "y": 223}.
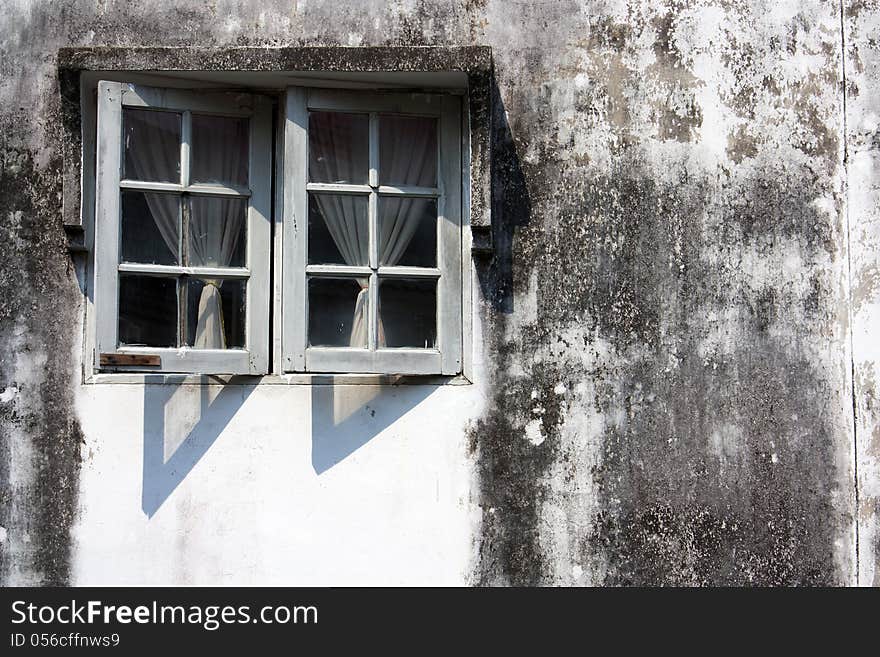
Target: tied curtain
{"x": 215, "y": 227}
{"x": 407, "y": 161}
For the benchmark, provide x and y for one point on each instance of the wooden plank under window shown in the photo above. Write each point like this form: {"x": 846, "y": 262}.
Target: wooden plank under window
{"x": 129, "y": 359}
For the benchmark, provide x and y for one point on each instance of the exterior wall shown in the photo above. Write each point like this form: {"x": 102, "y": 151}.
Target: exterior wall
{"x": 666, "y": 336}
{"x": 863, "y": 144}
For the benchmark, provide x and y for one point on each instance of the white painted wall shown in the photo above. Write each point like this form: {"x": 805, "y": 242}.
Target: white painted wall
{"x": 264, "y": 504}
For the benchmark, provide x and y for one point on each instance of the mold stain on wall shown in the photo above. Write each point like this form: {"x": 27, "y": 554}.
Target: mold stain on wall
{"x": 686, "y": 305}
{"x": 38, "y": 426}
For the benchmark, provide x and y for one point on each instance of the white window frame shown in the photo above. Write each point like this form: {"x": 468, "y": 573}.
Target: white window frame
{"x": 112, "y": 97}
{"x": 298, "y": 356}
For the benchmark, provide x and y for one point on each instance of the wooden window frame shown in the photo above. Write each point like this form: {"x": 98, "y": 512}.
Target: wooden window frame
{"x": 298, "y": 356}
{"x": 254, "y": 357}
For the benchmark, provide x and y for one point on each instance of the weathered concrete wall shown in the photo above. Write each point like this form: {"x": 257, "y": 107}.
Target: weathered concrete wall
{"x": 665, "y": 352}
{"x": 863, "y": 187}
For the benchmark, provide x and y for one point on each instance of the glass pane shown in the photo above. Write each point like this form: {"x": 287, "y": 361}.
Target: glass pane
{"x": 408, "y": 150}
{"x": 408, "y": 313}
{"x": 217, "y": 231}
{"x": 150, "y": 228}
{"x": 147, "y": 311}
{"x": 338, "y": 147}
{"x": 151, "y": 141}
{"x": 219, "y": 150}
{"x": 338, "y": 312}
{"x": 408, "y": 231}
{"x": 215, "y": 314}
{"x": 339, "y": 232}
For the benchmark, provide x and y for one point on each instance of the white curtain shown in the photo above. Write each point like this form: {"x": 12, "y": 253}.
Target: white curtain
{"x": 407, "y": 161}
{"x": 215, "y": 223}
{"x": 156, "y": 159}
{"x": 215, "y": 229}
{"x": 219, "y": 150}
{"x": 408, "y": 158}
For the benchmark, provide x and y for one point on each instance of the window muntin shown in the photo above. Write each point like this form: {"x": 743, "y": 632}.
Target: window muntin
{"x": 377, "y": 179}
{"x": 183, "y": 235}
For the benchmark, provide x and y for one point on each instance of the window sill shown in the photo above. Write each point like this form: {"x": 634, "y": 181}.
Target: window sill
{"x": 158, "y": 378}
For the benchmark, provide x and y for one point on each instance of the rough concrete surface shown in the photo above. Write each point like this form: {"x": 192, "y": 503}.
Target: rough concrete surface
{"x": 677, "y": 346}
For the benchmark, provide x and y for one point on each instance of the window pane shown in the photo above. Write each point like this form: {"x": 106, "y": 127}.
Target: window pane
{"x": 339, "y": 232}
{"x": 147, "y": 311}
{"x": 150, "y": 228}
{"x": 215, "y": 314}
{"x": 408, "y": 151}
{"x": 151, "y": 140}
{"x": 338, "y": 147}
{"x": 408, "y": 231}
{"x": 219, "y": 150}
{"x": 338, "y": 312}
{"x": 217, "y": 231}
{"x": 408, "y": 312}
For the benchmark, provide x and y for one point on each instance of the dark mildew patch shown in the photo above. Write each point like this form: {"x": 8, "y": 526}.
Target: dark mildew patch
{"x": 677, "y": 114}
{"x": 709, "y": 410}
{"x": 512, "y": 468}
{"x": 741, "y": 144}
{"x": 698, "y": 491}
{"x": 39, "y": 434}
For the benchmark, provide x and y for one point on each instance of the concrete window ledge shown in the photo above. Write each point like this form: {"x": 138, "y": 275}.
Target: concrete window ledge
{"x": 139, "y": 378}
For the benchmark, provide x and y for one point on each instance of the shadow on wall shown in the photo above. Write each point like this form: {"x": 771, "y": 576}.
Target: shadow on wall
{"x": 182, "y": 422}
{"x": 345, "y": 418}
{"x": 180, "y": 425}
{"x": 510, "y": 207}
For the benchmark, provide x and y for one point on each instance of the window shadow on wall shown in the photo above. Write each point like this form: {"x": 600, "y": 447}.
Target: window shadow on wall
{"x": 181, "y": 423}
{"x": 511, "y": 208}
{"x": 347, "y": 417}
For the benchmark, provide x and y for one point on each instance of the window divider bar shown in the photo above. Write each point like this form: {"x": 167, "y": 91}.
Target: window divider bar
{"x": 386, "y": 190}
{"x": 338, "y": 188}
{"x": 185, "y": 147}
{"x": 201, "y": 189}
{"x": 373, "y": 216}
{"x": 409, "y": 190}
{"x": 151, "y": 186}
{"x": 409, "y": 272}
{"x": 181, "y": 202}
{"x": 185, "y": 211}
{"x": 373, "y": 333}
{"x": 339, "y": 270}
{"x": 176, "y": 270}
{"x": 374, "y": 149}
{"x": 182, "y": 303}
{"x": 198, "y": 189}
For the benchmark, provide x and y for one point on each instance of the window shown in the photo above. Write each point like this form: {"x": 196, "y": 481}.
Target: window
{"x": 368, "y": 229}
{"x": 183, "y": 229}
{"x": 372, "y": 278}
